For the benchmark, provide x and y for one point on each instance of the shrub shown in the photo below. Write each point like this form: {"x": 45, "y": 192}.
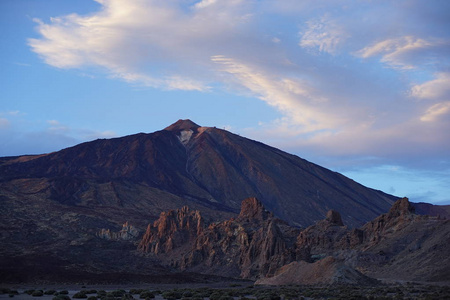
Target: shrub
{"x": 101, "y": 293}
{"x": 80, "y": 295}
{"x": 61, "y": 297}
{"x": 37, "y": 293}
{"x": 92, "y": 298}
{"x": 146, "y": 295}
{"x": 136, "y": 291}
{"x": 64, "y": 292}
{"x": 171, "y": 295}
{"x": 118, "y": 293}
{"x": 49, "y": 292}
{"x": 215, "y": 296}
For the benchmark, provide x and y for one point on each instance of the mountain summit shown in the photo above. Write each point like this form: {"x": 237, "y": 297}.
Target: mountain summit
{"x": 185, "y": 164}
{"x": 181, "y": 125}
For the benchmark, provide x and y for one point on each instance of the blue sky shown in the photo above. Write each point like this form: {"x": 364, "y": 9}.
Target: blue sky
{"x": 359, "y": 87}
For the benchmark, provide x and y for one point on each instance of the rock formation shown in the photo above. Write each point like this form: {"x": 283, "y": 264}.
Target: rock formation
{"x": 326, "y": 271}
{"x": 128, "y": 232}
{"x": 172, "y": 230}
{"x": 252, "y": 244}
{"x": 257, "y": 245}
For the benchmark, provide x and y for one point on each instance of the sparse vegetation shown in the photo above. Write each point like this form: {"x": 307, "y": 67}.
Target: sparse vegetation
{"x": 37, "y": 293}
{"x": 61, "y": 297}
{"x": 50, "y": 292}
{"x": 381, "y": 292}
{"x": 80, "y": 295}
{"x": 146, "y": 295}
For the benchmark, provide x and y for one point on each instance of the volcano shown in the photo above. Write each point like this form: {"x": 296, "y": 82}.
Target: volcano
{"x": 186, "y": 164}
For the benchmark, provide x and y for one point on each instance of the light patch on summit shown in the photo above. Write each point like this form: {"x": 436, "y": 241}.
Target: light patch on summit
{"x": 185, "y": 136}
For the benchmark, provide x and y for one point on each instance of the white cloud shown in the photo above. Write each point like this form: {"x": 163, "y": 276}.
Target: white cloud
{"x": 205, "y": 3}
{"x": 153, "y": 43}
{"x": 296, "y": 99}
{"x": 436, "y": 111}
{"x": 324, "y": 34}
{"x": 406, "y": 52}
{"x": 438, "y": 88}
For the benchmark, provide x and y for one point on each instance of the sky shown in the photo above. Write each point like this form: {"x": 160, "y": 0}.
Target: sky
{"x": 360, "y": 87}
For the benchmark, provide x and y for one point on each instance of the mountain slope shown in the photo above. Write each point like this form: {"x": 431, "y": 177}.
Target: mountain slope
{"x": 184, "y": 164}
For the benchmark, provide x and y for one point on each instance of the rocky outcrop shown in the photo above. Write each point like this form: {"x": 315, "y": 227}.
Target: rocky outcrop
{"x": 325, "y": 237}
{"x": 401, "y": 214}
{"x": 251, "y": 245}
{"x": 326, "y": 271}
{"x": 398, "y": 244}
{"x": 252, "y": 210}
{"x": 173, "y": 229}
{"x": 256, "y": 245}
{"x": 330, "y": 235}
{"x": 128, "y": 232}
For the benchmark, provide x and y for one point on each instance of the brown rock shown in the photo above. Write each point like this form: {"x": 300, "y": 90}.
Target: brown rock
{"x": 251, "y": 245}
{"x": 128, "y": 232}
{"x": 173, "y": 229}
{"x": 334, "y": 218}
{"x": 326, "y": 271}
{"x": 252, "y": 210}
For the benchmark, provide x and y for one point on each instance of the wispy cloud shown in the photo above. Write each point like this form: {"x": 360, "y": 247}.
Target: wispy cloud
{"x": 436, "y": 111}
{"x": 19, "y": 135}
{"x": 324, "y": 34}
{"x": 4, "y": 123}
{"x": 407, "y": 52}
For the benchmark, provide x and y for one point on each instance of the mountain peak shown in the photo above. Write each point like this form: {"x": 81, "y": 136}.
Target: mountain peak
{"x": 182, "y": 125}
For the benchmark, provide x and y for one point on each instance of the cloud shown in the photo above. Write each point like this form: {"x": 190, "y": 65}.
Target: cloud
{"x": 407, "y": 52}
{"x": 4, "y": 123}
{"x": 23, "y": 136}
{"x": 346, "y": 77}
{"x": 154, "y": 43}
{"x": 295, "y": 98}
{"x": 324, "y": 34}
{"x": 436, "y": 111}
{"x": 438, "y": 88}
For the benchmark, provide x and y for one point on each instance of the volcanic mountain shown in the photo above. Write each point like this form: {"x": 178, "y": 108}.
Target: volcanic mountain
{"x": 82, "y": 214}
{"x": 206, "y": 168}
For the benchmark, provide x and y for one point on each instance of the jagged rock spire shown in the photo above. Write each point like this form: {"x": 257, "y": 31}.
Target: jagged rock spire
{"x": 253, "y": 210}
{"x": 334, "y": 218}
